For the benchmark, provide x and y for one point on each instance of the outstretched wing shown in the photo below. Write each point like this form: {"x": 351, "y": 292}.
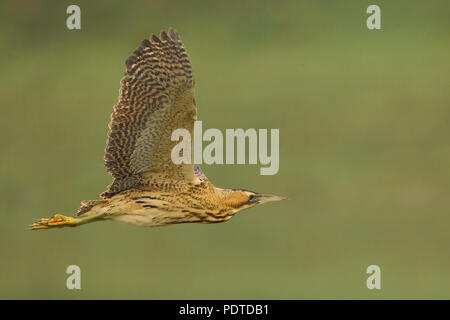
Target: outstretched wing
{"x": 156, "y": 97}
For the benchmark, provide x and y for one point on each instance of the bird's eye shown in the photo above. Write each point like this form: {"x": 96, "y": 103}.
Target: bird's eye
{"x": 250, "y": 198}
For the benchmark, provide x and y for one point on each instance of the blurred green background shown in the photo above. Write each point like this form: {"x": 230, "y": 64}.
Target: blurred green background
{"x": 364, "y": 119}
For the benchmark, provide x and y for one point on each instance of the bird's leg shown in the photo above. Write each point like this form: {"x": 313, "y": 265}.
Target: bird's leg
{"x": 59, "y": 221}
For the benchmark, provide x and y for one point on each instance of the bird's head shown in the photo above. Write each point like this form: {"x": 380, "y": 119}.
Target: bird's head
{"x": 243, "y": 199}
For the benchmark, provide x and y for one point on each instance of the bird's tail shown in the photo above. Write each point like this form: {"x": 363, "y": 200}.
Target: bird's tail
{"x": 87, "y": 205}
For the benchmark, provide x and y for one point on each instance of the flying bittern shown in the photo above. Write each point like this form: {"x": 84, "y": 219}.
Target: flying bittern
{"x": 156, "y": 97}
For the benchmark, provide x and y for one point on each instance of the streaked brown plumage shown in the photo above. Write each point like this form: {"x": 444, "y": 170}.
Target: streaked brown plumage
{"x": 148, "y": 189}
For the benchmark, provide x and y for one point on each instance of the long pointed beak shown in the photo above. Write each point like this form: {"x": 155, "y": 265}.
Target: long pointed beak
{"x": 263, "y": 198}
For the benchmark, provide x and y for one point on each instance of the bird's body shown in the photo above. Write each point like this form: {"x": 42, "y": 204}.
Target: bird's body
{"x": 196, "y": 203}
{"x": 149, "y": 189}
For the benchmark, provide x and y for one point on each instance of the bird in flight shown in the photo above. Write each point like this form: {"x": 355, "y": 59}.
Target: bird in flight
{"x": 149, "y": 189}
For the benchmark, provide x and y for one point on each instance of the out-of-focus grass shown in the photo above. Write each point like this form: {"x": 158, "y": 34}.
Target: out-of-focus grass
{"x": 364, "y": 123}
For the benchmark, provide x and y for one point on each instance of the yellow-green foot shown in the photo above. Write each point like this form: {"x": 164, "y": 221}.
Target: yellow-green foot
{"x": 57, "y": 220}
